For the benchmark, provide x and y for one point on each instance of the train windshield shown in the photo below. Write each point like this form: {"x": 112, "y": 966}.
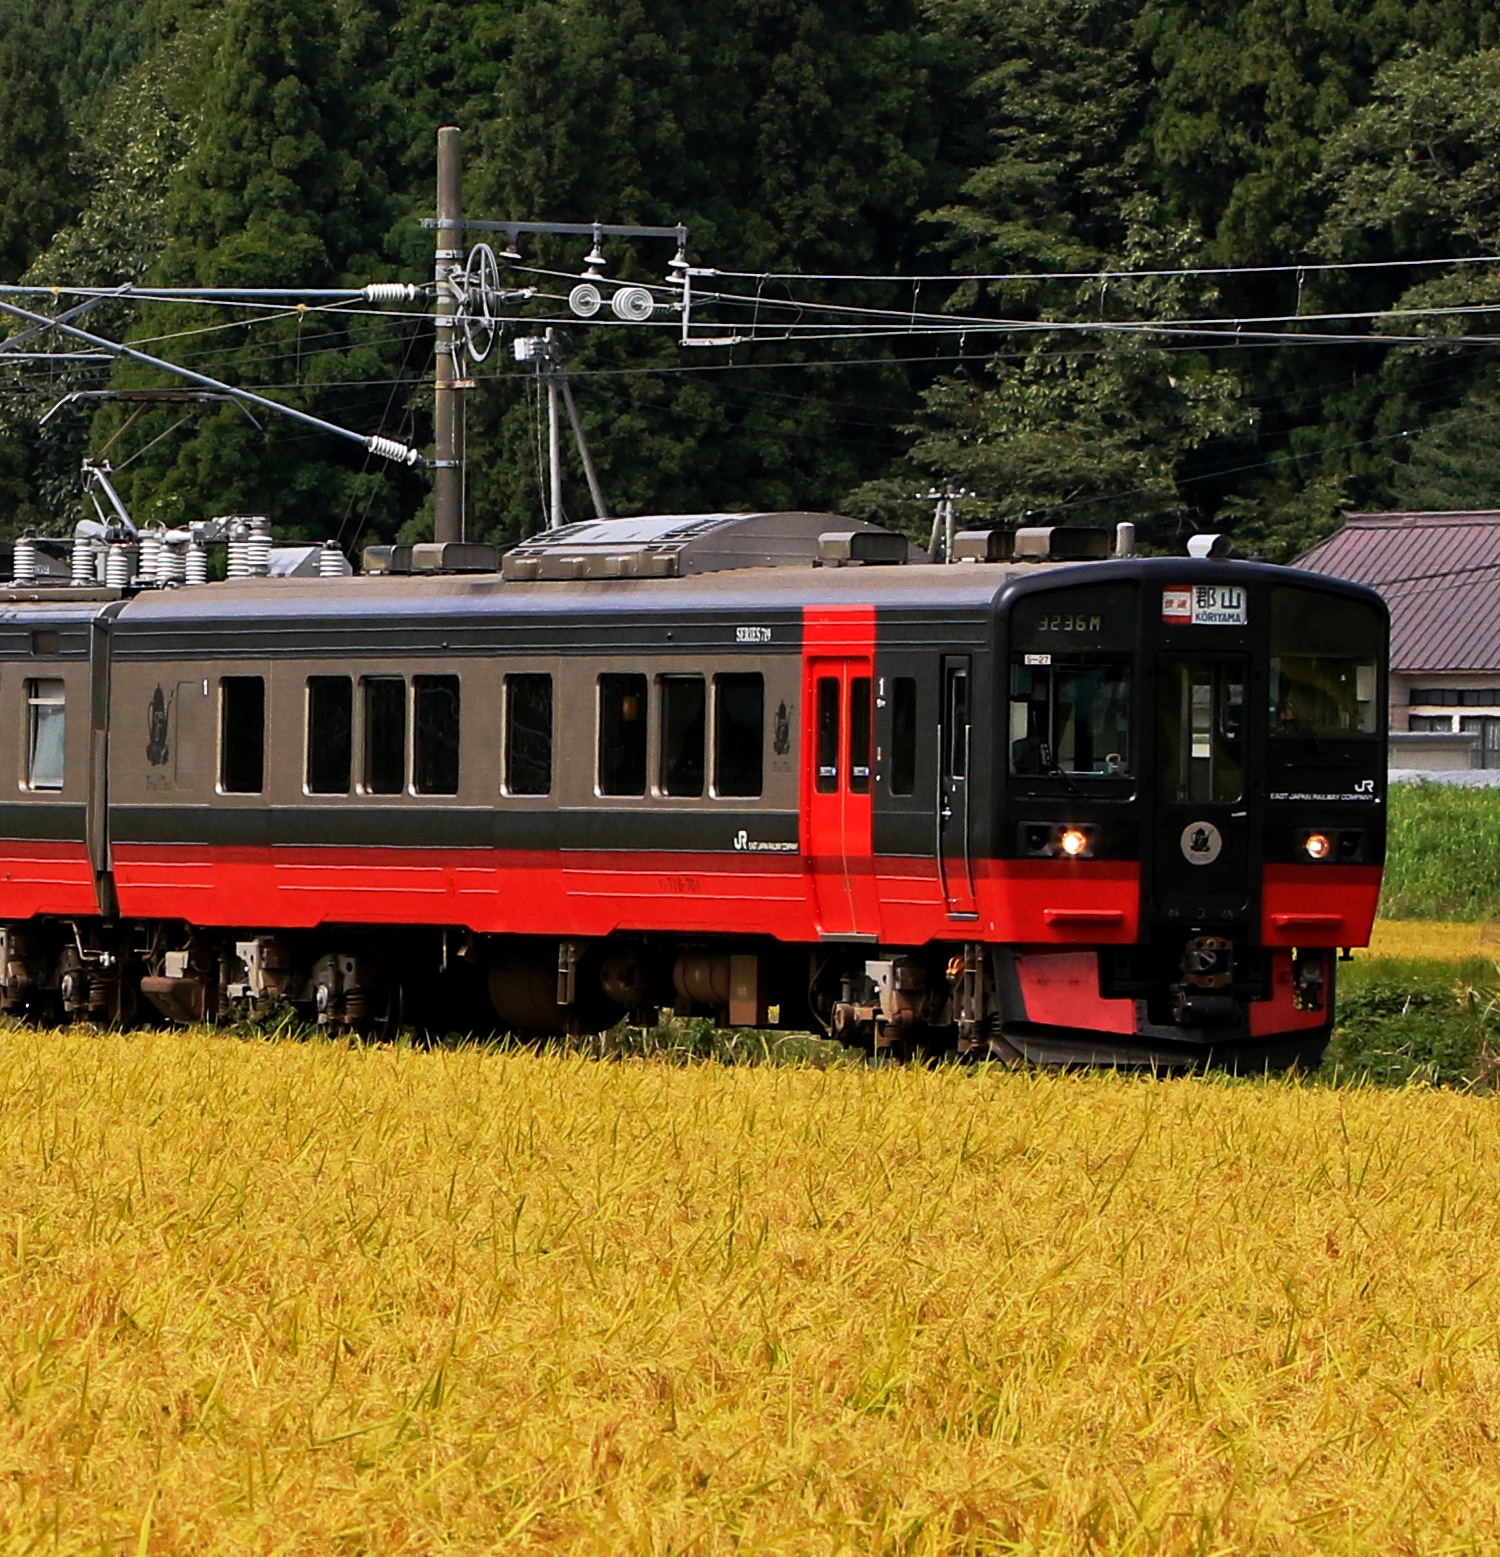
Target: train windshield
{"x": 1071, "y": 686}
{"x": 1324, "y": 690}
{"x": 1070, "y": 714}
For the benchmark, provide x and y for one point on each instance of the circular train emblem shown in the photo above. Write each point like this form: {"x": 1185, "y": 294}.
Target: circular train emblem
{"x": 1202, "y": 843}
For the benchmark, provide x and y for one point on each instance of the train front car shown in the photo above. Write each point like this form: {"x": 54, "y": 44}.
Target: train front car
{"x": 1189, "y": 805}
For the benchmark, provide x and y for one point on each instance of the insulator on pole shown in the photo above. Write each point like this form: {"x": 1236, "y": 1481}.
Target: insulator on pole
{"x": 390, "y": 292}
{"x": 390, "y": 449}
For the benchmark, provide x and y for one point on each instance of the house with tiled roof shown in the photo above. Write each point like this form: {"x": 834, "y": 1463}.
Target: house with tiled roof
{"x": 1440, "y": 576}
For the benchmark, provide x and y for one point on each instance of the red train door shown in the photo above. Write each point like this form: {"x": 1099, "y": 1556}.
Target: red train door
{"x": 838, "y": 775}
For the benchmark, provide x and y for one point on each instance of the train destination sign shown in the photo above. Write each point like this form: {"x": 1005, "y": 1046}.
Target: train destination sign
{"x": 1204, "y": 605}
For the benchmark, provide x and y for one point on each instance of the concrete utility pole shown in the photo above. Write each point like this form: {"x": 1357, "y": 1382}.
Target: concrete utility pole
{"x": 555, "y": 519}
{"x": 448, "y": 414}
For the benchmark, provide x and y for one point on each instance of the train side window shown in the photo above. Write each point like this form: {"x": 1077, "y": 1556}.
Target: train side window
{"x": 46, "y": 719}
{"x": 330, "y": 734}
{"x": 242, "y": 735}
{"x": 622, "y": 735}
{"x": 903, "y": 735}
{"x": 739, "y": 733}
{"x": 826, "y": 778}
{"x": 684, "y": 734}
{"x": 435, "y": 728}
{"x": 385, "y": 735}
{"x": 860, "y": 710}
{"x": 528, "y": 735}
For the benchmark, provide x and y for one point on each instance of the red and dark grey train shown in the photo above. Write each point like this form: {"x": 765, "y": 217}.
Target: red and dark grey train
{"x": 759, "y": 767}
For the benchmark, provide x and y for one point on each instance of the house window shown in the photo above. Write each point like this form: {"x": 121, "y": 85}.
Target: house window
{"x": 242, "y": 735}
{"x": 1430, "y": 724}
{"x": 45, "y": 722}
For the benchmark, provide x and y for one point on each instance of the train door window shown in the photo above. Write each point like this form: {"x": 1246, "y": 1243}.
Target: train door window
{"x": 827, "y": 776}
{"x": 1202, "y": 705}
{"x": 860, "y": 711}
{"x": 622, "y": 735}
{"x": 45, "y": 728}
{"x": 956, "y": 731}
{"x": 330, "y": 734}
{"x": 684, "y": 734}
{"x": 385, "y": 735}
{"x": 435, "y": 735}
{"x": 739, "y": 733}
{"x": 903, "y": 768}
{"x": 528, "y": 735}
{"x": 242, "y": 735}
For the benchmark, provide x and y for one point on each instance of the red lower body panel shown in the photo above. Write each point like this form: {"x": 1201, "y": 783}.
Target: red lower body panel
{"x": 1319, "y": 905}
{"x": 45, "y": 877}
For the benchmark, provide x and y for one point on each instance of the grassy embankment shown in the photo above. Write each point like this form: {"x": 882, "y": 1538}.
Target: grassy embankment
{"x": 1424, "y": 1001}
{"x": 298, "y": 1297}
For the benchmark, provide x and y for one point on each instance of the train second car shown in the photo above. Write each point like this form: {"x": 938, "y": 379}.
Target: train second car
{"x": 764, "y": 768}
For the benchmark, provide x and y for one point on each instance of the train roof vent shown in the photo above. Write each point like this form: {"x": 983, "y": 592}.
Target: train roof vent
{"x": 875, "y": 547}
{"x": 984, "y": 545}
{"x": 676, "y": 545}
{"x": 1061, "y": 543}
{"x": 432, "y": 557}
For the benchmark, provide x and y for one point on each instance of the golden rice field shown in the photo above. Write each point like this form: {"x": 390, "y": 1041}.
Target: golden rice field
{"x": 1436, "y": 940}
{"x": 276, "y": 1297}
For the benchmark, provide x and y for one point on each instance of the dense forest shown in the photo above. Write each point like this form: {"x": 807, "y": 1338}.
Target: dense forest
{"x": 1313, "y": 174}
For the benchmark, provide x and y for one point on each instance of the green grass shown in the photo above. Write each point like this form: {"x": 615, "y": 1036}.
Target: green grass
{"x": 1443, "y": 853}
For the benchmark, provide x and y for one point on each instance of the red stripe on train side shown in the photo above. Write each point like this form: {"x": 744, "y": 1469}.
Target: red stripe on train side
{"x": 593, "y": 894}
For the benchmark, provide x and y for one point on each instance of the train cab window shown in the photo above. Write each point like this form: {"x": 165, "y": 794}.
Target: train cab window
{"x": 46, "y": 718}
{"x": 739, "y": 733}
{"x": 242, "y": 735}
{"x": 826, "y": 778}
{"x": 903, "y": 769}
{"x": 622, "y": 735}
{"x": 528, "y": 735}
{"x": 1070, "y": 715}
{"x": 1324, "y": 691}
{"x": 435, "y": 735}
{"x": 384, "y": 768}
{"x": 860, "y": 712}
{"x": 684, "y": 734}
{"x": 330, "y": 734}
{"x": 1202, "y": 711}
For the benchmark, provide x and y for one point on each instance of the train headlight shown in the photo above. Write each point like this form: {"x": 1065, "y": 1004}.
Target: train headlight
{"x": 1059, "y": 840}
{"x": 1318, "y": 845}
{"x": 1073, "y": 841}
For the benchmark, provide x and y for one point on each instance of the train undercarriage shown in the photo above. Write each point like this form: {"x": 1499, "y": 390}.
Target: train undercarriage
{"x": 1187, "y": 1003}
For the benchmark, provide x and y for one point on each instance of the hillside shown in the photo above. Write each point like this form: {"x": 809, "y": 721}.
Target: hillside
{"x": 282, "y": 142}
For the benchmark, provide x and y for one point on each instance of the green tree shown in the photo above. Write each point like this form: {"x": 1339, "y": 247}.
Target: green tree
{"x": 37, "y": 190}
